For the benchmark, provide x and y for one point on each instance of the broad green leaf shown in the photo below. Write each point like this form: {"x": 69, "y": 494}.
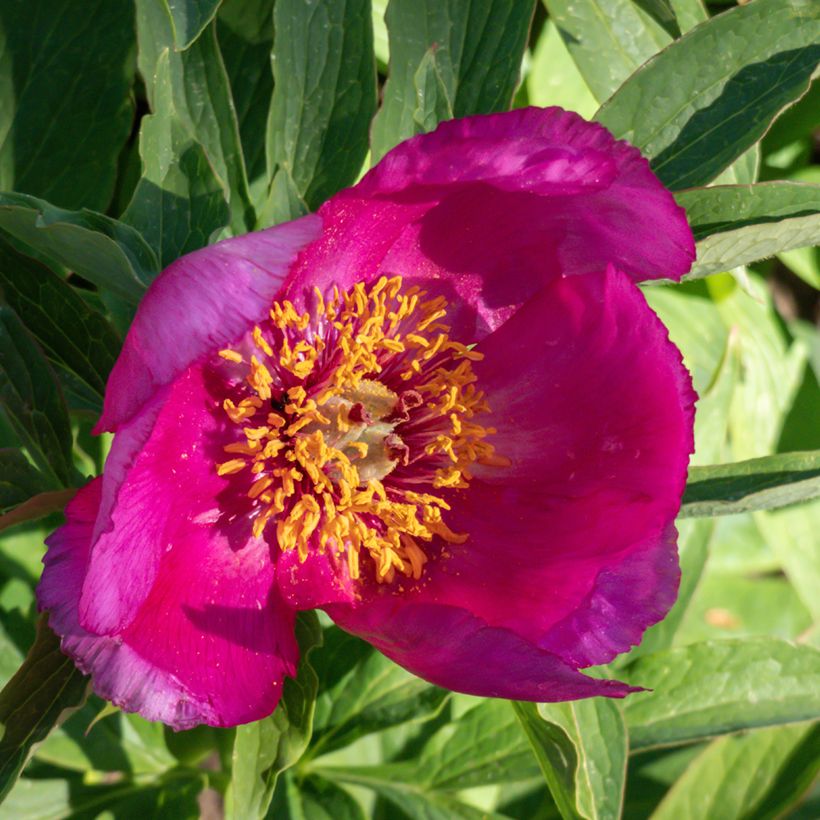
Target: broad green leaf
{"x": 689, "y": 13}
{"x": 179, "y": 203}
{"x": 32, "y": 400}
{"x": 380, "y": 42}
{"x": 757, "y": 484}
{"x": 371, "y": 695}
{"x": 433, "y": 104}
{"x": 324, "y": 97}
{"x": 738, "y": 224}
{"x": 554, "y": 79}
{"x": 192, "y": 87}
{"x": 36, "y": 507}
{"x": 189, "y": 19}
{"x": 65, "y": 98}
{"x": 720, "y": 687}
{"x": 313, "y": 798}
{"x": 263, "y": 750}
{"x": 737, "y": 777}
{"x": 743, "y": 171}
{"x": 72, "y": 334}
{"x": 108, "y": 253}
{"x": 245, "y": 33}
{"x": 19, "y": 479}
{"x": 715, "y": 91}
{"x": 478, "y": 47}
{"x": 608, "y": 39}
{"x": 582, "y": 749}
{"x": 35, "y": 700}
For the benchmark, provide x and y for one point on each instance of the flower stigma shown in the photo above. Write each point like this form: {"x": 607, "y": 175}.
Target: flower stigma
{"x": 352, "y": 418}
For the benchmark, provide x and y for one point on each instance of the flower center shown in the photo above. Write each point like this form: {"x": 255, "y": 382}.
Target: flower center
{"x": 351, "y": 419}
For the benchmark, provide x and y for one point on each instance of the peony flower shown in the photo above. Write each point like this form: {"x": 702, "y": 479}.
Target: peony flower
{"x": 439, "y": 409}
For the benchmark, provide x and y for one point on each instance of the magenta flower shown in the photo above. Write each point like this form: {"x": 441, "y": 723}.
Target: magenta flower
{"x": 439, "y": 409}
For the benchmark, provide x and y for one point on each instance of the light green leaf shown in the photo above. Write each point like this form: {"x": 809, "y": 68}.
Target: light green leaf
{"x": 757, "y": 484}
{"x": 324, "y": 96}
{"x": 369, "y": 696}
{"x": 554, "y": 79}
{"x": 743, "y": 171}
{"x": 189, "y": 19}
{"x": 433, "y": 104}
{"x": 35, "y": 700}
{"x": 715, "y": 91}
{"x": 196, "y": 93}
{"x": 32, "y": 401}
{"x": 735, "y": 778}
{"x": 108, "y": 253}
{"x": 478, "y": 47}
{"x": 263, "y": 750}
{"x": 582, "y": 748}
{"x": 608, "y": 39}
{"x": 689, "y": 13}
{"x": 179, "y": 204}
{"x": 65, "y": 98}
{"x": 720, "y": 687}
{"x": 73, "y": 335}
{"x": 738, "y": 224}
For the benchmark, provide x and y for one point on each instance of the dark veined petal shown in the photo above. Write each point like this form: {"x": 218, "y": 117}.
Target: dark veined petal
{"x": 211, "y": 644}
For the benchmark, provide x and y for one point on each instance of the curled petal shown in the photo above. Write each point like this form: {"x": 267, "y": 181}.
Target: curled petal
{"x": 201, "y": 302}
{"x": 211, "y": 644}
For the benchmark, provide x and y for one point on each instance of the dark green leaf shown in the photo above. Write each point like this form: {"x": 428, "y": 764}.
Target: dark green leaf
{"x": 371, "y": 695}
{"x": 582, "y": 750}
{"x": 756, "y": 484}
{"x": 103, "y": 251}
{"x": 35, "y": 700}
{"x": 715, "y": 91}
{"x": 263, "y": 750}
{"x": 314, "y": 798}
{"x": 19, "y": 480}
{"x": 609, "y": 39}
{"x": 38, "y": 506}
{"x": 72, "y": 334}
{"x": 192, "y": 88}
{"x": 32, "y": 400}
{"x": 735, "y": 778}
{"x": 324, "y": 96}
{"x": 720, "y": 687}
{"x": 179, "y": 203}
{"x": 478, "y": 46}
{"x": 65, "y": 102}
{"x": 738, "y": 224}
{"x": 189, "y": 18}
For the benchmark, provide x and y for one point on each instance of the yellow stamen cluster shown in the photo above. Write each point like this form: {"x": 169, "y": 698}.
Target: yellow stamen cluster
{"x": 318, "y": 416}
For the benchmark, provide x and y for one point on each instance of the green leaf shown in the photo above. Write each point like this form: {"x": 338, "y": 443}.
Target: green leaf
{"x": 371, "y": 695}
{"x": 32, "y": 400}
{"x": 65, "y": 98}
{"x": 179, "y": 203}
{"x": 609, "y": 39}
{"x": 111, "y": 255}
{"x": 192, "y": 87}
{"x": 433, "y": 104}
{"x": 738, "y": 224}
{"x": 263, "y": 750}
{"x": 757, "y": 484}
{"x": 314, "y": 798}
{"x": 715, "y": 91}
{"x": 738, "y": 777}
{"x": 324, "y": 96}
{"x": 478, "y": 47}
{"x": 38, "y": 506}
{"x": 19, "y": 479}
{"x": 743, "y": 171}
{"x": 245, "y": 33}
{"x": 189, "y": 19}
{"x": 585, "y": 775}
{"x": 35, "y": 700}
{"x": 719, "y": 687}
{"x": 73, "y": 335}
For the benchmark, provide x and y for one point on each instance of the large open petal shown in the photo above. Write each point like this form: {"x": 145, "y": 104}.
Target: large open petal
{"x": 494, "y": 206}
{"x": 572, "y": 546}
{"x": 202, "y": 301}
{"x": 452, "y": 648}
{"x": 212, "y": 643}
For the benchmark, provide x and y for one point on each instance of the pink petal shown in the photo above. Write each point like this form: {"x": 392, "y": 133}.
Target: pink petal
{"x": 212, "y": 643}
{"x": 452, "y": 648}
{"x": 492, "y": 207}
{"x": 201, "y": 302}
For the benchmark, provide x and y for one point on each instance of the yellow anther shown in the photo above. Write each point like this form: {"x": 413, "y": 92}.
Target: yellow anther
{"x": 231, "y": 467}
{"x": 231, "y": 356}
